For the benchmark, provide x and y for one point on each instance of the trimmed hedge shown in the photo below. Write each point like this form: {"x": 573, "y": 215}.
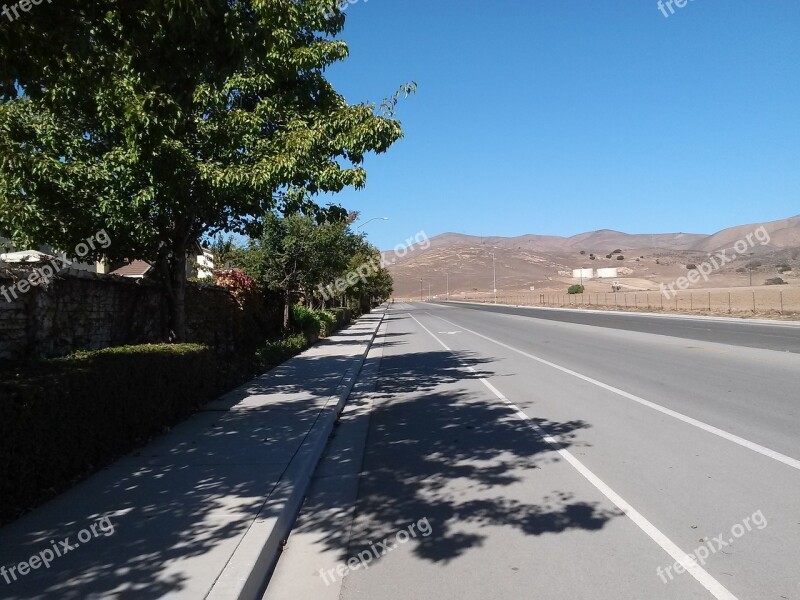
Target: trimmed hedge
{"x": 63, "y": 419}
{"x": 275, "y": 352}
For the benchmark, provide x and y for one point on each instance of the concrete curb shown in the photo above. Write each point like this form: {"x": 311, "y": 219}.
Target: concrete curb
{"x": 245, "y": 575}
{"x": 745, "y": 320}
{"x": 332, "y": 495}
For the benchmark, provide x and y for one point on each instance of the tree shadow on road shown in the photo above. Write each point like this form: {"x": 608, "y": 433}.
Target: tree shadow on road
{"x": 441, "y": 447}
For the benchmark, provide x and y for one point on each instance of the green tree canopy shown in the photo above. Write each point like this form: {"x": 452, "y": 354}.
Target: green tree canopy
{"x": 299, "y": 256}
{"x": 163, "y": 121}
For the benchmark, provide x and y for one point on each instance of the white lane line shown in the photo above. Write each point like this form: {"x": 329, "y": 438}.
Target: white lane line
{"x": 699, "y": 573}
{"x": 787, "y": 460}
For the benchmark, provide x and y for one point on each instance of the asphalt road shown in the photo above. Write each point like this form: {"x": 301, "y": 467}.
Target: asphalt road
{"x": 538, "y": 458}
{"x": 777, "y": 335}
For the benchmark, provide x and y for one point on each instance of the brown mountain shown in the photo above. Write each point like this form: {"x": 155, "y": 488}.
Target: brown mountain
{"x": 783, "y": 234}
{"x": 546, "y": 262}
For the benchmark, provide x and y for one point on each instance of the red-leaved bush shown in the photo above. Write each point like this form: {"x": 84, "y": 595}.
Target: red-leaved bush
{"x": 238, "y": 283}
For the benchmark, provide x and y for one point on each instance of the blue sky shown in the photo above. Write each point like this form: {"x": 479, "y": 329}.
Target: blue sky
{"x": 572, "y": 115}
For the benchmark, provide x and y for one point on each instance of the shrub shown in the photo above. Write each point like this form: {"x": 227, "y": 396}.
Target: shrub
{"x": 784, "y": 269}
{"x": 64, "y": 418}
{"x": 608, "y": 255}
{"x": 575, "y": 289}
{"x": 691, "y": 267}
{"x": 620, "y": 257}
{"x": 306, "y": 320}
{"x": 617, "y": 251}
{"x": 314, "y": 322}
{"x": 328, "y": 321}
{"x": 275, "y": 352}
{"x": 583, "y": 252}
{"x": 754, "y": 264}
{"x": 775, "y": 281}
{"x": 237, "y": 282}
{"x": 343, "y": 316}
{"x": 592, "y": 257}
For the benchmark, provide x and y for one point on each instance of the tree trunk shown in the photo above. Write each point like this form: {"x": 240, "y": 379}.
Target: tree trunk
{"x": 287, "y": 305}
{"x": 178, "y": 310}
{"x": 174, "y": 274}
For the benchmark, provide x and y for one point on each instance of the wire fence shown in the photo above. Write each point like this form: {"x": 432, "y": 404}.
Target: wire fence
{"x": 765, "y": 302}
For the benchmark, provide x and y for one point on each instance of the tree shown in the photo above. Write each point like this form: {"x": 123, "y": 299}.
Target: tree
{"x": 297, "y": 253}
{"x": 374, "y": 282}
{"x": 301, "y": 257}
{"x": 164, "y": 121}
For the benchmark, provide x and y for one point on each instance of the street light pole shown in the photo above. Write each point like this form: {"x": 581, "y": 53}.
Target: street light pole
{"x": 447, "y": 275}
{"x": 429, "y": 291}
{"x": 494, "y": 279}
{"x": 420, "y": 290}
{"x": 371, "y": 220}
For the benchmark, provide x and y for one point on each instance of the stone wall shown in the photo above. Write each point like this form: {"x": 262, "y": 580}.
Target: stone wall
{"x": 86, "y": 311}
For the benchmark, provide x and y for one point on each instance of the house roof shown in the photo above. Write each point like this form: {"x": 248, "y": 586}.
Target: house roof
{"x": 25, "y": 256}
{"x": 136, "y": 269}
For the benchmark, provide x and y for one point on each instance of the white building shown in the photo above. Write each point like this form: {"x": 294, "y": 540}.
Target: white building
{"x": 205, "y": 264}
{"x": 582, "y": 273}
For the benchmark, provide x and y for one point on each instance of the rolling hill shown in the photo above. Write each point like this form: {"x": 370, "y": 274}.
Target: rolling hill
{"x": 545, "y": 262}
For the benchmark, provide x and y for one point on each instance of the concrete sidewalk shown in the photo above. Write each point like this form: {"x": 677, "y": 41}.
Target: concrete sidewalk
{"x": 202, "y": 511}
